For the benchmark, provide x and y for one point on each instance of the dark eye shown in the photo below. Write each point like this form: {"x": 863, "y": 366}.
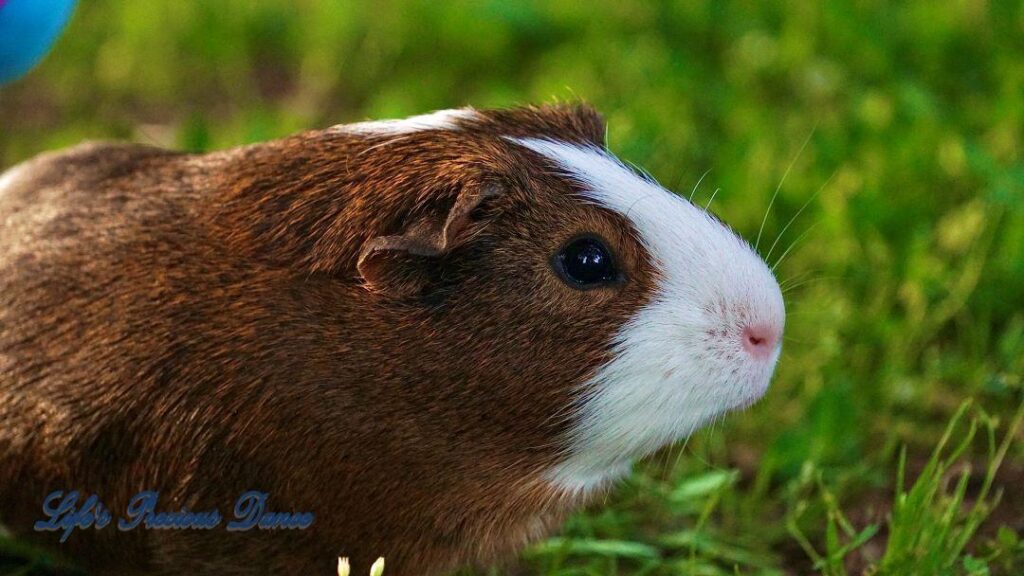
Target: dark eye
{"x": 585, "y": 263}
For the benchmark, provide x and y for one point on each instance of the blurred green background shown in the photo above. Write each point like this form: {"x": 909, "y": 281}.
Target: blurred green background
{"x": 904, "y": 284}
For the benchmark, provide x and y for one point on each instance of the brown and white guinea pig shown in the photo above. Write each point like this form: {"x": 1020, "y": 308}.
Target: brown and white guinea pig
{"x": 439, "y": 335}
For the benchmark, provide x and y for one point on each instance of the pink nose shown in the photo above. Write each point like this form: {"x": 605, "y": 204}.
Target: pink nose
{"x": 760, "y": 340}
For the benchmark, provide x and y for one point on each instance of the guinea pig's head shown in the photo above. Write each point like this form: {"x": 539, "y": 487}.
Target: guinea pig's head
{"x": 561, "y": 298}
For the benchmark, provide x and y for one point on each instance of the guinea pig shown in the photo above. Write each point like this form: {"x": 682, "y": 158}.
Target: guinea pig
{"x": 437, "y": 336}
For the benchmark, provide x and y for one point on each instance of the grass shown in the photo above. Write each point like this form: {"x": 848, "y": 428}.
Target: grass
{"x": 897, "y": 232}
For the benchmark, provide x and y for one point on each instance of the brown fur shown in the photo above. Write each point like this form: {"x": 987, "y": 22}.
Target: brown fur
{"x": 197, "y": 324}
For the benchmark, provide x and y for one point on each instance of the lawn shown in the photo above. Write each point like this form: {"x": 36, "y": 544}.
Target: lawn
{"x": 875, "y": 154}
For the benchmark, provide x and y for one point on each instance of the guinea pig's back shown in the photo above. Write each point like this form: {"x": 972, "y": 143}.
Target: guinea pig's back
{"x": 138, "y": 350}
{"x": 72, "y": 225}
{"x": 98, "y": 255}
{"x": 57, "y": 201}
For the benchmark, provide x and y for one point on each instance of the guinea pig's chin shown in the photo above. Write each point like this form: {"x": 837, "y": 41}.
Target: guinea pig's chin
{"x": 636, "y": 406}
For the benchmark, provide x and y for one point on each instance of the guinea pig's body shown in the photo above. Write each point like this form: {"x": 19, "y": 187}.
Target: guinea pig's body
{"x": 437, "y": 335}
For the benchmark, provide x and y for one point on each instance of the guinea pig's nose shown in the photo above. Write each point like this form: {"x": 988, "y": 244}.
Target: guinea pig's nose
{"x": 760, "y": 340}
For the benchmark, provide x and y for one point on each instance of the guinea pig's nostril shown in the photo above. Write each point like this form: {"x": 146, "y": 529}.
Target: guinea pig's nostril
{"x": 760, "y": 340}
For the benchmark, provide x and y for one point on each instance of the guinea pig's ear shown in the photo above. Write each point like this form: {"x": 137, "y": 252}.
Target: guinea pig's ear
{"x": 405, "y": 265}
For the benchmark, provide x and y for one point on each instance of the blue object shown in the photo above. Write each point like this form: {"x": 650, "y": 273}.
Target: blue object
{"x": 28, "y": 29}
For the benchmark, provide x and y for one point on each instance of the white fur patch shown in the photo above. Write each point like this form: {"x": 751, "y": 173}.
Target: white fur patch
{"x": 679, "y": 362}
{"x": 440, "y": 120}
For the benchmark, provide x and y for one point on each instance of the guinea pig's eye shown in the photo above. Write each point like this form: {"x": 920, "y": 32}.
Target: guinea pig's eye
{"x": 585, "y": 263}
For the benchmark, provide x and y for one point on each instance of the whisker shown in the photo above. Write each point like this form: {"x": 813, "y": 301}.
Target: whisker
{"x": 779, "y": 187}
{"x": 711, "y": 428}
{"x": 682, "y": 451}
{"x": 798, "y": 238}
{"x": 788, "y": 282}
{"x": 712, "y": 199}
{"x": 697, "y": 185}
{"x": 795, "y": 278}
{"x": 642, "y": 172}
{"x": 809, "y": 281}
{"x": 798, "y": 212}
{"x": 801, "y": 310}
